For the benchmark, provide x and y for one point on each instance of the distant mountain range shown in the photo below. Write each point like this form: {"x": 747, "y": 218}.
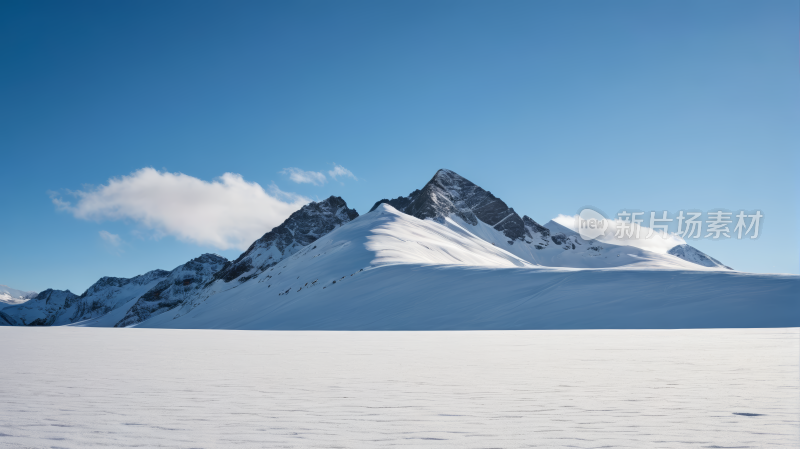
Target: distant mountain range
{"x": 448, "y": 256}
{"x": 11, "y": 296}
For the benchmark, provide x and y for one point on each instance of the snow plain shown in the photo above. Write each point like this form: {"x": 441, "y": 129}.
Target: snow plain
{"x": 713, "y": 388}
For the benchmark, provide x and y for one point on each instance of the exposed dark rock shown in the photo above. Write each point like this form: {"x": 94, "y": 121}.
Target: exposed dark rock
{"x": 448, "y": 193}
{"x": 302, "y": 228}
{"x": 105, "y": 282}
{"x": 181, "y": 284}
{"x": 559, "y": 238}
{"x": 64, "y": 307}
{"x": 400, "y": 203}
{"x": 233, "y": 270}
{"x": 535, "y": 227}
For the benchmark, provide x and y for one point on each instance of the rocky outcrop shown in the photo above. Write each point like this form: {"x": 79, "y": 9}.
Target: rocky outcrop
{"x": 303, "y": 227}
{"x": 449, "y": 193}
{"x": 175, "y": 289}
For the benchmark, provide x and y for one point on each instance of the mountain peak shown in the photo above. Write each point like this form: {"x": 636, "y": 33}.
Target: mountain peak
{"x": 450, "y": 194}
{"x": 445, "y": 173}
{"x": 332, "y": 200}
{"x": 210, "y": 258}
{"x": 691, "y": 254}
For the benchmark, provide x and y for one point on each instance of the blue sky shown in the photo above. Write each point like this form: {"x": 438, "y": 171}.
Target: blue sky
{"x": 549, "y": 105}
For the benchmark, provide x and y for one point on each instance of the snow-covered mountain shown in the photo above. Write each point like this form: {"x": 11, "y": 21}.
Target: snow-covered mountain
{"x": 58, "y": 307}
{"x": 11, "y": 296}
{"x": 449, "y": 256}
{"x": 124, "y": 302}
{"x": 178, "y": 287}
{"x": 111, "y": 300}
{"x": 694, "y": 255}
{"x": 453, "y": 201}
{"x": 299, "y": 230}
{"x": 390, "y": 270}
{"x": 43, "y": 310}
{"x": 448, "y": 195}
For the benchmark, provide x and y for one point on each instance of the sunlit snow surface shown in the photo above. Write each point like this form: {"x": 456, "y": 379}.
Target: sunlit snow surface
{"x": 79, "y": 387}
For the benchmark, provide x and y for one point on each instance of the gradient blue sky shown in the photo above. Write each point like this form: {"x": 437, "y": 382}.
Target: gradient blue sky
{"x": 550, "y": 105}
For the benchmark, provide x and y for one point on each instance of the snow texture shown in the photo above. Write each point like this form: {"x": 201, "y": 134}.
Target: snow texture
{"x": 83, "y": 388}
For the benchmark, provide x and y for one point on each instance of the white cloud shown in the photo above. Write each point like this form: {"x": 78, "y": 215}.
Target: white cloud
{"x": 111, "y": 239}
{"x": 338, "y": 170}
{"x": 658, "y": 242}
{"x": 227, "y": 212}
{"x": 301, "y": 176}
{"x": 305, "y": 177}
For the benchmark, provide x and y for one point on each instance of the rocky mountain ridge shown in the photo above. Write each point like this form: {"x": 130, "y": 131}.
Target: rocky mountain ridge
{"x": 448, "y": 199}
{"x": 448, "y": 193}
{"x": 302, "y": 228}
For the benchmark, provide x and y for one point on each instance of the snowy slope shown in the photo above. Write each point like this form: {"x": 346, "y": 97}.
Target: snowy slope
{"x": 694, "y": 255}
{"x": 11, "y": 296}
{"x": 670, "y": 247}
{"x": 454, "y": 201}
{"x": 186, "y": 285}
{"x": 180, "y": 284}
{"x": 125, "y": 302}
{"x": 385, "y": 237}
{"x": 301, "y": 229}
{"x": 389, "y": 270}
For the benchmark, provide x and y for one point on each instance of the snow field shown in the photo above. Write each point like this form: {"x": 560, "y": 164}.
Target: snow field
{"x": 82, "y": 387}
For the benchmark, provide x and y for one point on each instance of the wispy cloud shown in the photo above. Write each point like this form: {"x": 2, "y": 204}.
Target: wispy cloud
{"x": 227, "y": 212}
{"x": 305, "y": 177}
{"x": 339, "y": 171}
{"x": 112, "y": 239}
{"x": 112, "y": 242}
{"x": 317, "y": 178}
